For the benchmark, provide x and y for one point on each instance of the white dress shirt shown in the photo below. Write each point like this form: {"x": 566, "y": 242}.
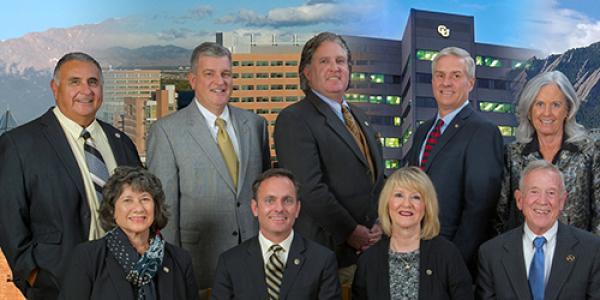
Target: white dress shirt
{"x": 549, "y": 246}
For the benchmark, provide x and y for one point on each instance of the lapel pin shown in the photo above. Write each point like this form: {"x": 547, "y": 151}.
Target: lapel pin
{"x": 166, "y": 269}
{"x": 366, "y": 123}
{"x": 570, "y": 258}
{"x": 296, "y": 261}
{"x": 118, "y": 135}
{"x": 428, "y": 272}
{"x": 456, "y": 125}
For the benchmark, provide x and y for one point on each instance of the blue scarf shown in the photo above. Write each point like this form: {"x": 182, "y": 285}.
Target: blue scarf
{"x": 140, "y": 270}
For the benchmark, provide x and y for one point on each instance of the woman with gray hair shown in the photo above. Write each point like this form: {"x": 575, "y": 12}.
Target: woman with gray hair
{"x": 548, "y": 130}
{"x": 131, "y": 261}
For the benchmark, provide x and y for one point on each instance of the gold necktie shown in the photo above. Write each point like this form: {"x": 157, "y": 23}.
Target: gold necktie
{"x": 227, "y": 150}
{"x": 359, "y": 138}
{"x": 274, "y": 273}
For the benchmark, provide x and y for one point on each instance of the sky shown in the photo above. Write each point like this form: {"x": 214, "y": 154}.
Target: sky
{"x": 549, "y": 25}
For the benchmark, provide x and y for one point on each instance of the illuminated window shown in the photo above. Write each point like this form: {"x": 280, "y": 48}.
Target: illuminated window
{"x": 376, "y": 99}
{"x": 356, "y": 98}
{"x": 392, "y": 164}
{"x": 406, "y": 135}
{"x": 291, "y": 63}
{"x": 291, "y": 75}
{"x": 358, "y": 76}
{"x": 393, "y": 100}
{"x": 488, "y": 61}
{"x": 506, "y": 130}
{"x": 397, "y": 121}
{"x": 262, "y": 63}
{"x": 426, "y": 54}
{"x": 497, "y": 107}
{"x": 377, "y": 78}
{"x": 392, "y": 142}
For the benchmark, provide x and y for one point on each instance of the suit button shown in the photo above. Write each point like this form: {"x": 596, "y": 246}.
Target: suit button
{"x": 238, "y": 204}
{"x": 235, "y": 233}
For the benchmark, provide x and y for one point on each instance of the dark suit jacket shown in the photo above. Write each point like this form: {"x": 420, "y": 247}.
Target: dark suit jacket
{"x": 94, "y": 274}
{"x": 575, "y": 272}
{"x": 443, "y": 274}
{"x": 335, "y": 184}
{"x": 465, "y": 167}
{"x": 310, "y": 273}
{"x": 45, "y": 211}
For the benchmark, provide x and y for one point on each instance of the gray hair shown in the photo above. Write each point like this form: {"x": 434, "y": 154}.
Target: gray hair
{"x": 573, "y": 131}
{"x": 208, "y": 49}
{"x": 311, "y": 47}
{"x": 79, "y": 56}
{"x": 540, "y": 164}
{"x": 458, "y": 52}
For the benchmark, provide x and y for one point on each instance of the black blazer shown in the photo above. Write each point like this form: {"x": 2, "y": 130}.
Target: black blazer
{"x": 45, "y": 212}
{"x": 466, "y": 168}
{"x": 575, "y": 271}
{"x": 443, "y": 274}
{"x": 310, "y": 273}
{"x": 94, "y": 274}
{"x": 335, "y": 184}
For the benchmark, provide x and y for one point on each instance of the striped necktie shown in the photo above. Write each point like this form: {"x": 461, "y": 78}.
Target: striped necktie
{"x": 432, "y": 139}
{"x": 274, "y": 273}
{"x": 95, "y": 163}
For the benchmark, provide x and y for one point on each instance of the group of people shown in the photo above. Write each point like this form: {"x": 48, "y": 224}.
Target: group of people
{"x": 82, "y": 219}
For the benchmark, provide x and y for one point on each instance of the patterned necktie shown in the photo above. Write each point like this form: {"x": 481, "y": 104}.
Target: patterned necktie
{"x": 274, "y": 273}
{"x": 95, "y": 163}
{"x": 536, "y": 269}
{"x": 432, "y": 139}
{"x": 227, "y": 150}
{"x": 359, "y": 138}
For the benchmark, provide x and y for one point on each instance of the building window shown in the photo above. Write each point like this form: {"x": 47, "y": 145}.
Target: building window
{"x": 376, "y": 99}
{"x": 426, "y": 102}
{"x": 291, "y": 98}
{"x": 358, "y": 76}
{"x": 262, "y": 63}
{"x": 392, "y": 142}
{"x": 262, "y": 99}
{"x": 291, "y": 75}
{"x": 506, "y": 130}
{"x": 488, "y": 61}
{"x": 361, "y": 62}
{"x": 291, "y": 86}
{"x": 276, "y": 110}
{"x": 236, "y": 63}
{"x": 262, "y": 111}
{"x": 247, "y": 87}
{"x": 234, "y": 99}
{"x": 262, "y": 75}
{"x": 247, "y": 75}
{"x": 356, "y": 98}
{"x": 392, "y": 164}
{"x": 497, "y": 107}
{"x": 377, "y": 78}
{"x": 276, "y": 75}
{"x": 291, "y": 63}
{"x": 247, "y": 99}
{"x": 406, "y": 136}
{"x": 393, "y": 100}
{"x": 397, "y": 121}
{"x": 426, "y": 54}
{"x": 277, "y": 86}
{"x": 236, "y": 87}
{"x": 262, "y": 87}
{"x": 276, "y": 99}
{"x": 277, "y": 63}
{"x": 247, "y": 63}
{"x": 235, "y": 75}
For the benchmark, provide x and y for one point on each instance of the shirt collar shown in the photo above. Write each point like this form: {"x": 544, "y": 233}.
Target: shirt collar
{"x": 450, "y": 116}
{"x": 74, "y": 129}
{"x": 210, "y": 117}
{"x": 266, "y": 244}
{"x": 534, "y": 146}
{"x": 550, "y": 234}
{"x": 334, "y": 104}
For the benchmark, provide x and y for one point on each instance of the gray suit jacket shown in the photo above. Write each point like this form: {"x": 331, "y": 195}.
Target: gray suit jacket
{"x": 575, "y": 272}
{"x": 207, "y": 214}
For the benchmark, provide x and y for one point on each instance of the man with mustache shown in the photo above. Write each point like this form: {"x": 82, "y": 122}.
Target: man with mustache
{"x": 207, "y": 155}
{"x": 278, "y": 263}
{"x": 51, "y": 175}
{"x": 331, "y": 147}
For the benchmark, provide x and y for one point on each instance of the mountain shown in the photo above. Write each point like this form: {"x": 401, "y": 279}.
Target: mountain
{"x": 582, "y": 67}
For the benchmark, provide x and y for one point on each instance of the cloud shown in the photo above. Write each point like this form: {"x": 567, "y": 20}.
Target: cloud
{"x": 556, "y": 29}
{"x": 199, "y": 12}
{"x": 312, "y": 13}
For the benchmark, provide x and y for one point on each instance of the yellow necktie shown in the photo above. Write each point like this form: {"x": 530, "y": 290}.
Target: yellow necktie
{"x": 227, "y": 150}
{"x": 359, "y": 138}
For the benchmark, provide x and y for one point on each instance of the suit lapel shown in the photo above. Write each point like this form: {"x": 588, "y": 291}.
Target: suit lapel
{"x": 514, "y": 263}
{"x": 562, "y": 263}
{"x": 372, "y": 143}
{"x": 240, "y": 125}
{"x": 336, "y": 125}
{"x": 165, "y": 277}
{"x": 116, "y": 144}
{"x": 453, "y": 128}
{"x": 295, "y": 261}
{"x": 199, "y": 131}
{"x": 417, "y": 143}
{"x": 117, "y": 276}
{"x": 255, "y": 266}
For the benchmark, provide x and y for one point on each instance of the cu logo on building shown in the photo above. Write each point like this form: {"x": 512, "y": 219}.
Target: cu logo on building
{"x": 443, "y": 31}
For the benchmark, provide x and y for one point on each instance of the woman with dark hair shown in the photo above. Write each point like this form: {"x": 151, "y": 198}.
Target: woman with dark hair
{"x": 411, "y": 261}
{"x": 132, "y": 261}
{"x": 548, "y": 130}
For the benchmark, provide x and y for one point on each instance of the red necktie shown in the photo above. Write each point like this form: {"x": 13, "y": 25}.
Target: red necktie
{"x": 432, "y": 139}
